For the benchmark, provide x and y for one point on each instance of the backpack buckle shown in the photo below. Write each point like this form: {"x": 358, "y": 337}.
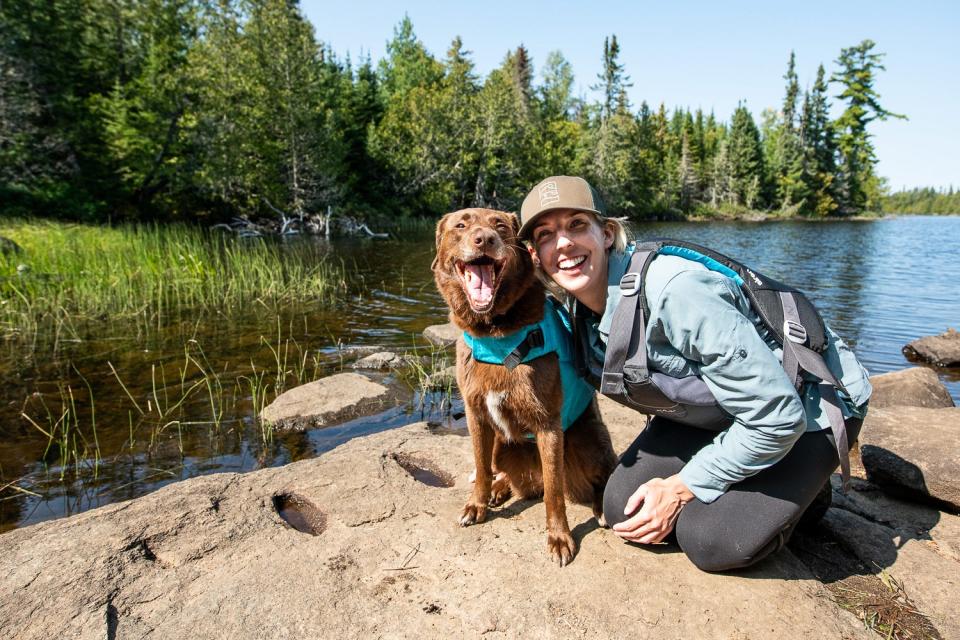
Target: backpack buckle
{"x": 630, "y": 284}
{"x": 794, "y": 332}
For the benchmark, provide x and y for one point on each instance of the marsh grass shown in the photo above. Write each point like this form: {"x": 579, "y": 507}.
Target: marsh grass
{"x": 428, "y": 375}
{"x": 189, "y": 398}
{"x": 68, "y": 273}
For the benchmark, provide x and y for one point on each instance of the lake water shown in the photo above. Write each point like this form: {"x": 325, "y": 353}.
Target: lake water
{"x": 880, "y": 284}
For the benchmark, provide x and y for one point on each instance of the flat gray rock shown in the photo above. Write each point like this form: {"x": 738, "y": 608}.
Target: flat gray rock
{"x": 914, "y": 387}
{"x": 913, "y": 452}
{"x": 384, "y": 360}
{"x": 211, "y": 557}
{"x": 442, "y": 335}
{"x": 942, "y": 350}
{"x": 336, "y": 398}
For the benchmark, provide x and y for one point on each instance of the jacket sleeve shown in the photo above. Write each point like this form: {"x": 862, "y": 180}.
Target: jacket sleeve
{"x": 702, "y": 315}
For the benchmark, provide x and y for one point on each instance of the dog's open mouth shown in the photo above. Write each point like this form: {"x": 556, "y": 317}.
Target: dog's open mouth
{"x": 480, "y": 278}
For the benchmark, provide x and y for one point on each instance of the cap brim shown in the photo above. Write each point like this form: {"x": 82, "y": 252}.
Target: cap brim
{"x": 527, "y": 226}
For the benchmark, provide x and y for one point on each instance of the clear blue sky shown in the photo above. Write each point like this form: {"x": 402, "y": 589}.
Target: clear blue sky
{"x": 708, "y": 54}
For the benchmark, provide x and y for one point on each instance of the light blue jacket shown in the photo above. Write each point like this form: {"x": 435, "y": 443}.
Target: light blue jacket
{"x": 701, "y": 323}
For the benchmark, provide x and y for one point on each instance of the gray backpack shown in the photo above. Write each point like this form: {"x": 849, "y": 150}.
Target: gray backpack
{"x": 786, "y": 312}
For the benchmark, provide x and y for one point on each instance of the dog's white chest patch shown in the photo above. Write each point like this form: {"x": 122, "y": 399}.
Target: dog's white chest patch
{"x": 494, "y": 401}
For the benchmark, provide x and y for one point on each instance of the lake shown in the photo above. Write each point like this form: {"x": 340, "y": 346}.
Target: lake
{"x": 879, "y": 283}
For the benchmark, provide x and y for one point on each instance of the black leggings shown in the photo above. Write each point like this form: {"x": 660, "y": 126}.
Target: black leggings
{"x": 753, "y": 518}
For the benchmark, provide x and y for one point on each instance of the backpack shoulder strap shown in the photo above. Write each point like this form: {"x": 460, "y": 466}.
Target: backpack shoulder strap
{"x": 626, "y": 344}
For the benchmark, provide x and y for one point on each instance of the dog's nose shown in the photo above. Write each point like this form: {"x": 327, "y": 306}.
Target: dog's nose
{"x": 484, "y": 237}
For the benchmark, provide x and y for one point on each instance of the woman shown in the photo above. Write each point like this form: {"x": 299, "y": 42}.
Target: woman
{"x": 731, "y": 497}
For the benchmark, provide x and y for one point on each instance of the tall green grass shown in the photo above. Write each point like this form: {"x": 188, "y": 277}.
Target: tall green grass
{"x": 68, "y": 272}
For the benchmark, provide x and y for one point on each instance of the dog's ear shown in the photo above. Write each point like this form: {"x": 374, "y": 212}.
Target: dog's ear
{"x": 440, "y": 228}
{"x": 515, "y": 221}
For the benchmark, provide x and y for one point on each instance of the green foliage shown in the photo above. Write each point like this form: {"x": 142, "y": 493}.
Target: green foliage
{"x": 746, "y": 165}
{"x": 194, "y": 109}
{"x": 927, "y": 201}
{"x": 859, "y": 188}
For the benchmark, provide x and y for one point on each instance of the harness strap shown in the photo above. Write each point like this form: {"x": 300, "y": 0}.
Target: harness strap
{"x": 534, "y": 340}
{"x": 798, "y": 358}
{"x": 627, "y": 331}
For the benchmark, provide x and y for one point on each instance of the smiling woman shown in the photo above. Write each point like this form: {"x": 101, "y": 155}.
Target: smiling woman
{"x": 731, "y": 499}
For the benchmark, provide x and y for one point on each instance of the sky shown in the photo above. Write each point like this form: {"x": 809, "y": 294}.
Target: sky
{"x": 708, "y": 55}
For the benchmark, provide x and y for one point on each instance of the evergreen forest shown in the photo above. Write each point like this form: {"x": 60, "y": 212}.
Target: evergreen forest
{"x": 163, "y": 110}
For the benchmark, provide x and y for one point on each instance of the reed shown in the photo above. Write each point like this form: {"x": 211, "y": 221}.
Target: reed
{"x": 71, "y": 272}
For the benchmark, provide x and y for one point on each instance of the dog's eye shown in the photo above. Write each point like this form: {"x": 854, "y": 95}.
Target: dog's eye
{"x": 461, "y": 225}
{"x": 502, "y": 225}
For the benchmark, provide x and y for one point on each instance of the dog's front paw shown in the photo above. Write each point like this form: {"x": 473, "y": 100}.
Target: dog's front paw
{"x": 473, "y": 513}
{"x": 562, "y": 548}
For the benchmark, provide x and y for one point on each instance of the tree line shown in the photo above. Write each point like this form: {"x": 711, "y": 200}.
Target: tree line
{"x": 187, "y": 109}
{"x": 923, "y": 200}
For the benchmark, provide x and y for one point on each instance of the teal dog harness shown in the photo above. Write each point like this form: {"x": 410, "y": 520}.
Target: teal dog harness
{"x": 553, "y": 334}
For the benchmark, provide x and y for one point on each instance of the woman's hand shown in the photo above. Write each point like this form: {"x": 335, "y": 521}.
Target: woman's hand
{"x": 662, "y": 500}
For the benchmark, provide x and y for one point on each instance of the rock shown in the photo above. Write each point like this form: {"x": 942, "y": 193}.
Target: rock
{"x": 928, "y": 579}
{"x": 384, "y": 360}
{"x": 942, "y": 350}
{"x": 333, "y": 399}
{"x": 210, "y": 557}
{"x": 913, "y": 387}
{"x": 442, "y": 335}
{"x": 913, "y": 452}
{"x": 939, "y": 531}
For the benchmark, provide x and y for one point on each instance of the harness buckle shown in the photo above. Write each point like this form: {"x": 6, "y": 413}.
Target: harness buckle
{"x": 794, "y": 332}
{"x": 535, "y": 339}
{"x": 630, "y": 284}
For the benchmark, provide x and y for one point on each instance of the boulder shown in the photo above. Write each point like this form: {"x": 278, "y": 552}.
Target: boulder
{"x": 913, "y": 452}
{"x": 942, "y": 350}
{"x": 928, "y": 578}
{"x": 367, "y": 545}
{"x": 384, "y": 360}
{"x": 442, "y": 335}
{"x": 339, "y": 397}
{"x": 913, "y": 387}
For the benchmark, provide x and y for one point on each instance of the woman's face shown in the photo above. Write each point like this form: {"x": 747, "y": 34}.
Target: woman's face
{"x": 571, "y": 247}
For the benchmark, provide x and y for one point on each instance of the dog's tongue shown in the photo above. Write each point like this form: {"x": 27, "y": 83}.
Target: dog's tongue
{"x": 479, "y": 282}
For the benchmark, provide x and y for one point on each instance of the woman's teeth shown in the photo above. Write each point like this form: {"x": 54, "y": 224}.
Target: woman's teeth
{"x": 570, "y": 263}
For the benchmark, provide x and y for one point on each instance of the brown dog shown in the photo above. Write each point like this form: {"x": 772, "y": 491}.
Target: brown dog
{"x": 488, "y": 280}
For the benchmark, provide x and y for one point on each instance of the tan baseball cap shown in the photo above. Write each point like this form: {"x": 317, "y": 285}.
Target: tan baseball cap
{"x": 558, "y": 192}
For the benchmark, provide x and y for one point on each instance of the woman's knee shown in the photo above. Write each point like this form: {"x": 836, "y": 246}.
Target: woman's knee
{"x": 615, "y": 496}
{"x": 712, "y": 552}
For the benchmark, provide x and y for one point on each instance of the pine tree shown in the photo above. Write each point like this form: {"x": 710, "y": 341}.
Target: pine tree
{"x": 787, "y": 153}
{"x": 746, "y": 160}
{"x": 556, "y": 92}
{"x": 408, "y": 63}
{"x": 613, "y": 82}
{"x": 689, "y": 184}
{"x": 859, "y": 188}
{"x": 818, "y": 150}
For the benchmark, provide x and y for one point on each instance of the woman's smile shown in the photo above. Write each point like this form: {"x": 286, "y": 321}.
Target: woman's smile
{"x": 568, "y": 264}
